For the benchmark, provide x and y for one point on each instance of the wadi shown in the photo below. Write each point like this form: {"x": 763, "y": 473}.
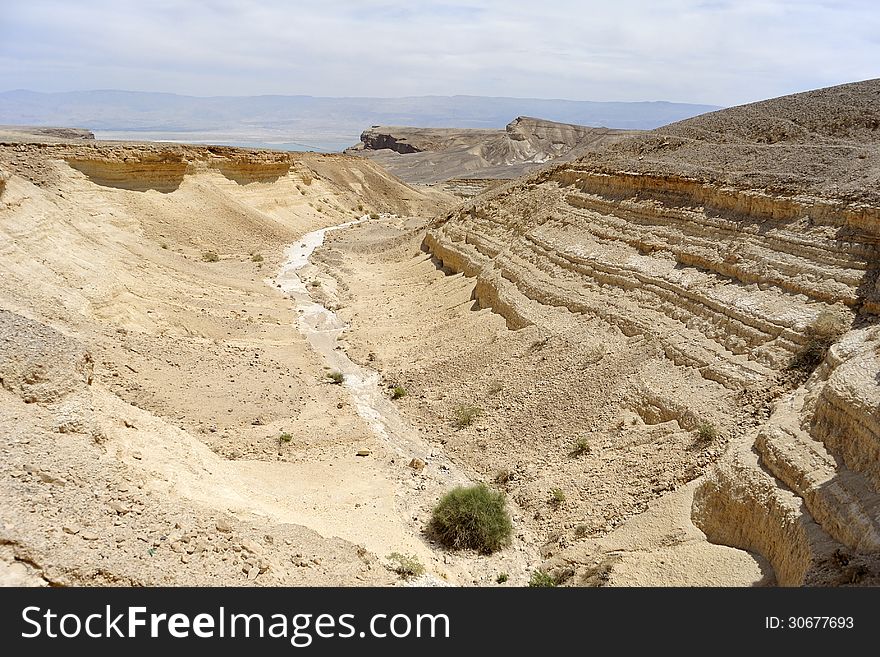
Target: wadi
{"x": 658, "y": 351}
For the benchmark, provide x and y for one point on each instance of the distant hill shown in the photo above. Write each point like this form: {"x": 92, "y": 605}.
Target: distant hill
{"x": 431, "y": 155}
{"x": 308, "y": 122}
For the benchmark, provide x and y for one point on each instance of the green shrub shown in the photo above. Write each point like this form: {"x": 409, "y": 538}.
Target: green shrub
{"x": 557, "y": 497}
{"x": 502, "y": 577}
{"x": 210, "y": 256}
{"x": 466, "y": 414}
{"x": 472, "y": 518}
{"x": 374, "y": 215}
{"x": 397, "y": 392}
{"x": 707, "y": 432}
{"x": 540, "y": 579}
{"x": 581, "y": 446}
{"x": 335, "y": 377}
{"x": 285, "y": 437}
{"x": 256, "y": 258}
{"x": 825, "y": 330}
{"x": 406, "y": 565}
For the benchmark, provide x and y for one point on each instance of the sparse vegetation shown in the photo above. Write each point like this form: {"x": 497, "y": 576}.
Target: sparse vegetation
{"x": 360, "y": 207}
{"x": 581, "y": 446}
{"x": 374, "y": 215}
{"x": 397, "y": 392}
{"x": 256, "y": 257}
{"x": 164, "y": 245}
{"x": 821, "y": 334}
{"x": 315, "y": 283}
{"x": 335, "y": 377}
{"x": 495, "y": 387}
{"x": 406, "y": 565}
{"x": 472, "y": 518}
{"x": 541, "y": 579}
{"x": 581, "y": 530}
{"x": 502, "y": 577}
{"x": 285, "y": 437}
{"x": 557, "y": 497}
{"x": 707, "y": 432}
{"x": 466, "y": 414}
{"x": 210, "y": 256}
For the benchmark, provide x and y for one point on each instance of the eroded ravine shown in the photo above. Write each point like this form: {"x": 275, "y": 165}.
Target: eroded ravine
{"x": 322, "y": 328}
{"x": 416, "y": 490}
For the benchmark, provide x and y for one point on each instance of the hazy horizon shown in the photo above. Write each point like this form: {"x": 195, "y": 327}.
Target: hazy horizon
{"x": 307, "y": 122}
{"x": 718, "y": 52}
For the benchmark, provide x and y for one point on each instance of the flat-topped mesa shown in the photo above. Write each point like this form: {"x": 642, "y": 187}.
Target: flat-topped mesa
{"x": 50, "y": 134}
{"x": 430, "y": 155}
{"x": 379, "y": 138}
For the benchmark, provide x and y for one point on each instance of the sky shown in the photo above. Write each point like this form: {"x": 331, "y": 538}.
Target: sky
{"x": 703, "y": 51}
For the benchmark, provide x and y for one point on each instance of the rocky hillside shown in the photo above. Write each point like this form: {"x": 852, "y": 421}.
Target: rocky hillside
{"x": 430, "y": 155}
{"x": 739, "y": 253}
{"x": 148, "y": 368}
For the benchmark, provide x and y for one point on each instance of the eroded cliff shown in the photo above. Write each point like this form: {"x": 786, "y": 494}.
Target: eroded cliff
{"x": 744, "y": 246}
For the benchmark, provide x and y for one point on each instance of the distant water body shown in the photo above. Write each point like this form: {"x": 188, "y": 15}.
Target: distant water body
{"x": 317, "y": 146}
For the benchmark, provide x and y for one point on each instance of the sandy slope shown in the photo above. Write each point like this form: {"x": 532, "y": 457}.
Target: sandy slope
{"x": 195, "y": 369}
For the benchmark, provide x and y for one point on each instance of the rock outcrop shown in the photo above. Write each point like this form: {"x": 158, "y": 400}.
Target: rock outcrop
{"x": 725, "y": 240}
{"x": 431, "y": 155}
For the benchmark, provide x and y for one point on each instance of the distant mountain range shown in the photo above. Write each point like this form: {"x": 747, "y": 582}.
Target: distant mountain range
{"x": 308, "y": 122}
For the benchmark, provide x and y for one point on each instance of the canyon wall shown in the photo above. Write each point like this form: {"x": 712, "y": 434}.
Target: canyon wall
{"x": 768, "y": 291}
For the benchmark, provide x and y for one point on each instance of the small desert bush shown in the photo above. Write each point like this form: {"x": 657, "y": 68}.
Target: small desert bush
{"x": 466, "y": 414}
{"x": 707, "y": 432}
{"x": 495, "y": 387}
{"x": 406, "y": 565}
{"x": 210, "y": 256}
{"x": 502, "y": 577}
{"x": 581, "y": 446}
{"x": 285, "y": 437}
{"x": 581, "y": 530}
{"x": 335, "y": 377}
{"x": 557, "y": 497}
{"x": 540, "y": 579}
{"x": 374, "y": 215}
{"x": 825, "y": 330}
{"x": 256, "y": 258}
{"x": 397, "y": 392}
{"x": 472, "y": 518}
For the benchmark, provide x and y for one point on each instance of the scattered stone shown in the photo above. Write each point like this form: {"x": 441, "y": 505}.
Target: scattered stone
{"x": 223, "y": 525}
{"x": 364, "y": 452}
{"x": 118, "y": 506}
{"x": 88, "y": 535}
{"x": 70, "y": 529}
{"x": 417, "y": 464}
{"x": 253, "y": 572}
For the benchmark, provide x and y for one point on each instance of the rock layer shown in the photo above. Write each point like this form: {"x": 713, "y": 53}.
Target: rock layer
{"x": 728, "y": 273}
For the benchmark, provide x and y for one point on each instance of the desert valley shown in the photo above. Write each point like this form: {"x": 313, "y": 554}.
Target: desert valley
{"x": 661, "y": 346}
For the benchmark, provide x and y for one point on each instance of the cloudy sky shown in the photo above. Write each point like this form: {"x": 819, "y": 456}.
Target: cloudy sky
{"x": 708, "y": 51}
